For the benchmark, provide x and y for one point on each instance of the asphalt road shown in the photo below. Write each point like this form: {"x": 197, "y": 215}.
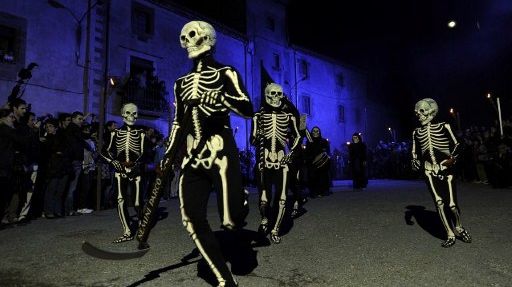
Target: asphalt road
{"x": 345, "y": 239}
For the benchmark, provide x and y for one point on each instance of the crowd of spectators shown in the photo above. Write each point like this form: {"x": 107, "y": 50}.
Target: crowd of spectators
{"x": 486, "y": 158}
{"x": 49, "y": 164}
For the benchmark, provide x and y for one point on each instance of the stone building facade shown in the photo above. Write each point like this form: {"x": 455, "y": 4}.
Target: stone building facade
{"x": 79, "y": 45}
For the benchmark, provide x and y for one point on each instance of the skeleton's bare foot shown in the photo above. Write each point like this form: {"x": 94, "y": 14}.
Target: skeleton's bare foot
{"x": 463, "y": 234}
{"x": 449, "y": 242}
{"x": 124, "y": 238}
{"x": 276, "y": 239}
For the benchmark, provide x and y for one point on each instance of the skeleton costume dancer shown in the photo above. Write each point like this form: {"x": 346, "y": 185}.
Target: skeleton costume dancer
{"x": 270, "y": 134}
{"x": 435, "y": 150}
{"x": 124, "y": 152}
{"x": 209, "y": 92}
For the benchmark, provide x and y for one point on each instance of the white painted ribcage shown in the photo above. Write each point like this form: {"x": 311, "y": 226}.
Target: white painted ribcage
{"x": 196, "y": 84}
{"x": 432, "y": 137}
{"x": 129, "y": 142}
{"x": 274, "y": 128}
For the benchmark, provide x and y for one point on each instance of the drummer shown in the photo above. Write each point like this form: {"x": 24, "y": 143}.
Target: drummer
{"x": 318, "y": 163}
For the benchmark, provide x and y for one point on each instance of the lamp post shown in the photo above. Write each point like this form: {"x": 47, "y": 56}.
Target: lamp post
{"x": 78, "y": 38}
{"x": 456, "y": 115}
{"x": 392, "y": 134}
{"x": 497, "y": 108}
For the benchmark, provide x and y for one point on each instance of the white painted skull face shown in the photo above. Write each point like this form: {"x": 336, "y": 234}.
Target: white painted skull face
{"x": 129, "y": 113}
{"x": 426, "y": 109}
{"x": 273, "y": 95}
{"x": 197, "y": 37}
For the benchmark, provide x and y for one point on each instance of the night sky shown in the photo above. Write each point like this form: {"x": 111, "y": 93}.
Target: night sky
{"x": 410, "y": 53}
{"x": 406, "y": 48}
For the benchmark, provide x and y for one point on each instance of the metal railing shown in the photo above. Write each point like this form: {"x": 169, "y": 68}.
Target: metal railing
{"x": 152, "y": 99}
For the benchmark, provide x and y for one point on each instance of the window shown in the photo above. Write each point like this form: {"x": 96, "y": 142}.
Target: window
{"x": 142, "y": 21}
{"x": 306, "y": 105}
{"x": 340, "y": 80}
{"x": 270, "y": 23}
{"x": 277, "y": 63}
{"x": 144, "y": 89}
{"x": 303, "y": 69}
{"x": 341, "y": 114}
{"x": 13, "y": 41}
{"x": 8, "y": 53}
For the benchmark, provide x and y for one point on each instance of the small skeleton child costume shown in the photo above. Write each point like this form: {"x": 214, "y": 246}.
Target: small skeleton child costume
{"x": 270, "y": 133}
{"x": 125, "y": 152}
{"x": 434, "y": 151}
{"x": 207, "y": 94}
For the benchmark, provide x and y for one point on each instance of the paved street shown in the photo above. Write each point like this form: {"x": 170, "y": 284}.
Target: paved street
{"x": 346, "y": 239}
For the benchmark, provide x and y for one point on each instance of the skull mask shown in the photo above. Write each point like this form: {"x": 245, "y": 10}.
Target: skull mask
{"x": 426, "y": 109}
{"x": 315, "y": 132}
{"x": 273, "y": 95}
{"x": 129, "y": 114}
{"x": 197, "y": 37}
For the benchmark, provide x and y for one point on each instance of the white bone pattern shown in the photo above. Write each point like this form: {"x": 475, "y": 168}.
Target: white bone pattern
{"x": 129, "y": 142}
{"x": 274, "y": 128}
{"x": 194, "y": 86}
{"x": 431, "y": 137}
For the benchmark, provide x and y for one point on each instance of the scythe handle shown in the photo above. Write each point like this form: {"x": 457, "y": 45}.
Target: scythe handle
{"x": 150, "y": 208}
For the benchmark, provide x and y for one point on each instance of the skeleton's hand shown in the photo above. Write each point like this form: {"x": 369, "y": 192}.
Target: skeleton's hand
{"x": 415, "y": 163}
{"x": 117, "y": 165}
{"x": 211, "y": 98}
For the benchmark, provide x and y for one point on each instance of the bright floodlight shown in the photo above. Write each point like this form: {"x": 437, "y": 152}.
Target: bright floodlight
{"x": 452, "y": 24}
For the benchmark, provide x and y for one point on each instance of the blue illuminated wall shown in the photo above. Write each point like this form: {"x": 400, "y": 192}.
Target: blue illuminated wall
{"x": 58, "y": 84}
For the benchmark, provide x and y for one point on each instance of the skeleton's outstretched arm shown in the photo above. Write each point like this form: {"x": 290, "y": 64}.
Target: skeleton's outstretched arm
{"x": 415, "y": 163}
{"x": 254, "y": 130}
{"x": 107, "y": 153}
{"x": 175, "y": 130}
{"x": 235, "y": 96}
{"x": 455, "y": 148}
{"x": 296, "y": 133}
{"x": 296, "y": 139}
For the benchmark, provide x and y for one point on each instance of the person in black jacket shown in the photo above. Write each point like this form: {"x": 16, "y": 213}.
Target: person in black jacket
{"x": 21, "y": 173}
{"x": 56, "y": 166}
{"x": 357, "y": 161}
{"x": 9, "y": 139}
{"x": 76, "y": 144}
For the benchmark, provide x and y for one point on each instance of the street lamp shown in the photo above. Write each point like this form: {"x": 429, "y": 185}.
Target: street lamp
{"x": 497, "y": 108}
{"x": 78, "y": 34}
{"x": 392, "y": 133}
{"x": 78, "y": 29}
